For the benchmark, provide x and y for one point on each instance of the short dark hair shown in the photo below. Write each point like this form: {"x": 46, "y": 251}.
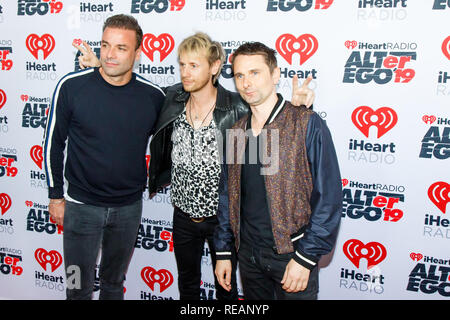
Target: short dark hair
{"x": 127, "y": 22}
{"x": 256, "y": 48}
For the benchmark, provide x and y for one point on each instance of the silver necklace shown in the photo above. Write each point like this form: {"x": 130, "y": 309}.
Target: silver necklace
{"x": 196, "y": 117}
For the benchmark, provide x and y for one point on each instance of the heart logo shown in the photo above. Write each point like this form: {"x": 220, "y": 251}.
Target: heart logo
{"x": 384, "y": 119}
{"x": 373, "y": 252}
{"x": 24, "y": 97}
{"x": 164, "y": 44}
{"x": 446, "y": 47}
{"x": 305, "y": 45}
{"x": 36, "y": 155}
{"x": 344, "y": 182}
{"x": 54, "y": 258}
{"x": 439, "y": 194}
{"x": 351, "y": 44}
{"x": 77, "y": 42}
{"x": 5, "y": 202}
{"x": 2, "y": 98}
{"x": 429, "y": 119}
{"x": 29, "y": 203}
{"x": 416, "y": 256}
{"x": 34, "y": 44}
{"x": 151, "y": 276}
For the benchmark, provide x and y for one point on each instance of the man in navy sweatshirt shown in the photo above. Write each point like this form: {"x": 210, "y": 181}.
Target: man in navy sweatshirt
{"x": 106, "y": 115}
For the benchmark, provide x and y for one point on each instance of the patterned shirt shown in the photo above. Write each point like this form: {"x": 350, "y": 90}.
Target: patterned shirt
{"x": 195, "y": 168}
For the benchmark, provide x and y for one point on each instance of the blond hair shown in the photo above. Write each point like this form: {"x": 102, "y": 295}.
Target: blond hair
{"x": 202, "y": 43}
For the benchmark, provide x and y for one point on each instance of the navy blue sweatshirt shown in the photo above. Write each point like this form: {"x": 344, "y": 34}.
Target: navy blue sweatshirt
{"x": 107, "y": 130}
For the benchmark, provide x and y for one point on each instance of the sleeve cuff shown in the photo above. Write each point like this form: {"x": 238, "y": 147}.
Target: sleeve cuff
{"x": 306, "y": 261}
{"x": 224, "y": 255}
{"x": 55, "y": 193}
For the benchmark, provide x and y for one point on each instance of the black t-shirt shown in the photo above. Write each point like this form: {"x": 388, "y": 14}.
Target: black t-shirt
{"x": 256, "y": 224}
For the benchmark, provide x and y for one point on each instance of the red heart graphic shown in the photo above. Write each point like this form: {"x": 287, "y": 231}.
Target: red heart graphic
{"x": 151, "y": 276}
{"x": 164, "y": 44}
{"x": 24, "y": 97}
{"x": 446, "y": 47}
{"x": 77, "y": 42}
{"x": 416, "y": 256}
{"x": 36, "y": 155}
{"x": 351, "y": 44}
{"x": 46, "y": 43}
{"x": 386, "y": 119}
{"x": 29, "y": 203}
{"x": 374, "y": 252}
{"x": 344, "y": 182}
{"x": 439, "y": 194}
{"x": 53, "y": 257}
{"x": 5, "y": 202}
{"x": 429, "y": 119}
{"x": 2, "y": 98}
{"x": 305, "y": 45}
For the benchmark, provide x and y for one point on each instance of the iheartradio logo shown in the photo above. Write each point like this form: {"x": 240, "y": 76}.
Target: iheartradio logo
{"x": 163, "y": 277}
{"x": 36, "y": 155}
{"x": 446, "y": 47}
{"x": 384, "y": 119}
{"x": 77, "y": 42}
{"x": 439, "y": 194}
{"x": 416, "y": 256}
{"x": 53, "y": 258}
{"x": 351, "y": 44}
{"x": 2, "y": 98}
{"x": 429, "y": 119}
{"x": 34, "y": 44}
{"x": 305, "y": 45}
{"x": 373, "y": 252}
{"x": 344, "y": 182}
{"x": 29, "y": 203}
{"x": 5, "y": 202}
{"x": 24, "y": 97}
{"x": 164, "y": 44}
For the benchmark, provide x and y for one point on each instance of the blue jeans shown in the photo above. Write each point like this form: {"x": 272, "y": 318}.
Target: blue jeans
{"x": 86, "y": 229}
{"x": 262, "y": 270}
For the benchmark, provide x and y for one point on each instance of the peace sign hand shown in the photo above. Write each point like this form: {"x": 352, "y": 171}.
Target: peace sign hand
{"x": 87, "y": 58}
{"x": 302, "y": 95}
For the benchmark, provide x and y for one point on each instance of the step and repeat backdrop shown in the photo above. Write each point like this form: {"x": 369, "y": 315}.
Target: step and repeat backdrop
{"x": 381, "y": 74}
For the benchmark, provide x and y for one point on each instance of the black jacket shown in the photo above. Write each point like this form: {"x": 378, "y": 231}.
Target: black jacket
{"x": 229, "y": 108}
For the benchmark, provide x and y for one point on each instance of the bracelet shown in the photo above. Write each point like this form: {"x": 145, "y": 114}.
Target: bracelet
{"x": 56, "y": 201}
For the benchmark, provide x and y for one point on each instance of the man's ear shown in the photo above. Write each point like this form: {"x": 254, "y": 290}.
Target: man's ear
{"x": 215, "y": 67}
{"x": 276, "y": 74}
{"x": 138, "y": 54}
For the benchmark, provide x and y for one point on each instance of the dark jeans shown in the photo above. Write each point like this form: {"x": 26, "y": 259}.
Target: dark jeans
{"x": 188, "y": 242}
{"x": 262, "y": 271}
{"x": 86, "y": 229}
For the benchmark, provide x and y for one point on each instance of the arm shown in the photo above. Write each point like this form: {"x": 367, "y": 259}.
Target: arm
{"x": 53, "y": 151}
{"x": 320, "y": 234}
{"x": 223, "y": 235}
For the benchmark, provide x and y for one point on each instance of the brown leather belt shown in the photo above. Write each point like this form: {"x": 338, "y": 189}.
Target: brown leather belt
{"x": 198, "y": 220}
